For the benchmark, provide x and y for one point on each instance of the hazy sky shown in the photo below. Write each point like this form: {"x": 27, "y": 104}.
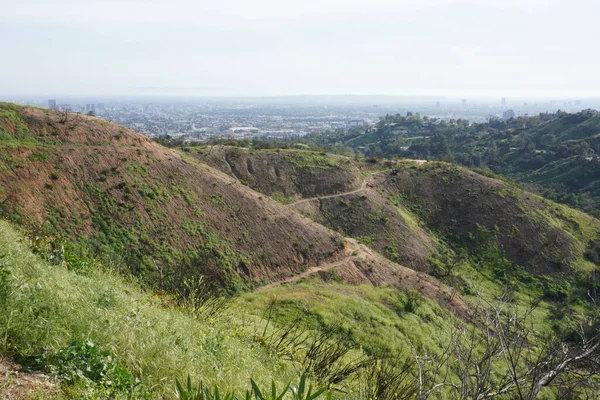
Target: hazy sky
{"x": 278, "y": 47}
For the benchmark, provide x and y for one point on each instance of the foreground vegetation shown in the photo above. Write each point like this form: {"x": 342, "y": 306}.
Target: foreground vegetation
{"x": 103, "y": 337}
{"x": 57, "y": 319}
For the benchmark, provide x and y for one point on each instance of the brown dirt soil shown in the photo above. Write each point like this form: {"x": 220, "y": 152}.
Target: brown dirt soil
{"x": 270, "y": 171}
{"x": 17, "y": 385}
{"x": 362, "y": 265}
{"x": 96, "y": 177}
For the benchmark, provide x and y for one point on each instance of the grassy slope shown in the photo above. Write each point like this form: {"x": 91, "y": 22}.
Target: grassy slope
{"x": 535, "y": 233}
{"x": 570, "y": 127}
{"x": 575, "y": 173}
{"x": 47, "y": 305}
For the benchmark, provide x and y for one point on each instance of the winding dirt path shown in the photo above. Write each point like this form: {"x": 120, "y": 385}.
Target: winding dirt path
{"x": 351, "y": 251}
{"x": 362, "y": 187}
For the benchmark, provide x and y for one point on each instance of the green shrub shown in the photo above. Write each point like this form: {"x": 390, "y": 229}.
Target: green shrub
{"x": 391, "y": 253}
{"x": 84, "y": 365}
{"x": 413, "y": 301}
{"x": 280, "y": 197}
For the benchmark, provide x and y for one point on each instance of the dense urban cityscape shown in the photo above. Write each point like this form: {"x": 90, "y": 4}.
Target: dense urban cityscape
{"x": 290, "y": 117}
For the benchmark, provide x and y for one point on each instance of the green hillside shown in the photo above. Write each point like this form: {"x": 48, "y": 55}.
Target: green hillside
{"x": 555, "y": 154}
{"x": 126, "y": 266}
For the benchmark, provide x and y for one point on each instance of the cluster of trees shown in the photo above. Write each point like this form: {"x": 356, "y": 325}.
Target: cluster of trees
{"x": 516, "y": 148}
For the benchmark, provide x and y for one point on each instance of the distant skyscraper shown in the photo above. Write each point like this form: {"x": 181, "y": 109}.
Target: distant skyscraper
{"x": 508, "y": 114}
{"x": 503, "y": 102}
{"x": 438, "y": 105}
{"x": 52, "y": 104}
{"x": 577, "y": 102}
{"x": 464, "y": 103}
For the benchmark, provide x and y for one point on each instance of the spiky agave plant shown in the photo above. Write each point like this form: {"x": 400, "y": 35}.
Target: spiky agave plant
{"x": 191, "y": 392}
{"x": 299, "y": 392}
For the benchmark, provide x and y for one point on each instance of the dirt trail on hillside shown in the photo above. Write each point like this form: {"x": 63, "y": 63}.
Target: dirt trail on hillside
{"x": 362, "y": 187}
{"x": 351, "y": 252}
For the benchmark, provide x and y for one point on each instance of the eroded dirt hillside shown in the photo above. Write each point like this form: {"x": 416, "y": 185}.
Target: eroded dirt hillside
{"x": 410, "y": 211}
{"x": 287, "y": 175}
{"x": 165, "y": 215}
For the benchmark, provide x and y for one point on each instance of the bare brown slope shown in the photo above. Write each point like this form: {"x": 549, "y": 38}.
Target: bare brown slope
{"x": 169, "y": 217}
{"x": 372, "y": 217}
{"x": 165, "y": 215}
{"x": 294, "y": 174}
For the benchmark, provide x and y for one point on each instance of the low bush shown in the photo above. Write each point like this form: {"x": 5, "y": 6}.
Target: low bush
{"x": 91, "y": 370}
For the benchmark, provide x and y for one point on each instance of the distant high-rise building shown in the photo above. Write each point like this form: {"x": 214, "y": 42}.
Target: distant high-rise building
{"x": 508, "y": 114}
{"x": 503, "y": 102}
{"x": 438, "y": 105}
{"x": 577, "y": 102}
{"x": 52, "y": 104}
{"x": 464, "y": 103}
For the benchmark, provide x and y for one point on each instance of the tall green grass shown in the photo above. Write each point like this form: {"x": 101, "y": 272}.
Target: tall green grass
{"x": 46, "y": 307}
{"x": 68, "y": 319}
{"x": 128, "y": 342}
